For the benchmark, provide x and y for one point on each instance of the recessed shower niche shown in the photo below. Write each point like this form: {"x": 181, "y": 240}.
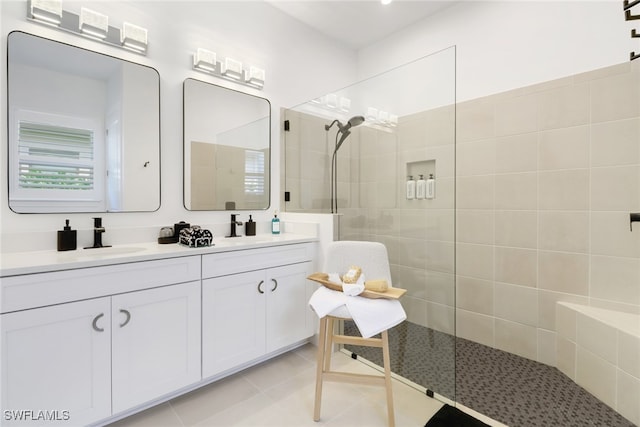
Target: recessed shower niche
{"x": 420, "y": 180}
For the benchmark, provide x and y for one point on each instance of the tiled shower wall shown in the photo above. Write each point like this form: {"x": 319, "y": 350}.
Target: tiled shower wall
{"x": 372, "y": 171}
{"x": 546, "y": 178}
{"x": 419, "y": 234}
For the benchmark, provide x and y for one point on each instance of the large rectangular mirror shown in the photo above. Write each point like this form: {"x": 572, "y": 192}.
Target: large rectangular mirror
{"x": 227, "y": 138}
{"x": 84, "y": 130}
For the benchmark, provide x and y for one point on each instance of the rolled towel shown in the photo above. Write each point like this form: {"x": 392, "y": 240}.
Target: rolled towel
{"x": 350, "y": 289}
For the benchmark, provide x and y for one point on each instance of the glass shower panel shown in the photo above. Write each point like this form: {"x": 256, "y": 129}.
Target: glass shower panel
{"x": 409, "y": 130}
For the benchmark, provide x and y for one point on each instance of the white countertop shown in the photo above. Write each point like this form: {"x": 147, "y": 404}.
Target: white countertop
{"x": 18, "y": 263}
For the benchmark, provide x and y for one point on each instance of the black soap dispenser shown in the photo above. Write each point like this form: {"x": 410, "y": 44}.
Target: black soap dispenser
{"x": 250, "y": 227}
{"x": 67, "y": 238}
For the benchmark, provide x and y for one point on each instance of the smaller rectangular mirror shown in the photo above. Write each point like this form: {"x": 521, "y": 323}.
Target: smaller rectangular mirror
{"x": 227, "y": 145}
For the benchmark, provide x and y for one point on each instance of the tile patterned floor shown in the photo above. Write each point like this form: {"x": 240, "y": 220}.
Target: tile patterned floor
{"x": 422, "y": 355}
{"x": 521, "y": 392}
{"x": 280, "y": 392}
{"x": 516, "y": 391}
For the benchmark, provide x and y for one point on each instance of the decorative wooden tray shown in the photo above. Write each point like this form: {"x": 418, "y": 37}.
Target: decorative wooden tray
{"x": 390, "y": 293}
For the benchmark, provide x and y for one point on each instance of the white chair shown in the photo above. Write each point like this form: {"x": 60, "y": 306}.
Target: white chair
{"x": 372, "y": 258}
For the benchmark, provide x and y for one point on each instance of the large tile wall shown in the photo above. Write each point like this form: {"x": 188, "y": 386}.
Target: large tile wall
{"x": 546, "y": 178}
{"x": 372, "y": 171}
{"x": 419, "y": 234}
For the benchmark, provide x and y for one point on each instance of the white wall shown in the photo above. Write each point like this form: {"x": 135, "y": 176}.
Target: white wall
{"x": 502, "y": 45}
{"x": 300, "y": 65}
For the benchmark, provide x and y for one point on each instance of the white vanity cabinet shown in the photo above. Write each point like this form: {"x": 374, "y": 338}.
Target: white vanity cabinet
{"x": 96, "y": 356}
{"x": 87, "y": 342}
{"x": 254, "y": 302}
{"x": 155, "y": 343}
{"x": 57, "y": 358}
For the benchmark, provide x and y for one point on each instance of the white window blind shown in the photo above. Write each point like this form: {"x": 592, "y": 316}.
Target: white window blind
{"x": 55, "y": 157}
{"x": 254, "y": 172}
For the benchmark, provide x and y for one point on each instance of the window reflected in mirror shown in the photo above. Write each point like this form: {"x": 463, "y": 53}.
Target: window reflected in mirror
{"x": 227, "y": 138}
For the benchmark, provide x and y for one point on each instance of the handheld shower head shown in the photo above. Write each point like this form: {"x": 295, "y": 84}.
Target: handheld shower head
{"x": 344, "y": 130}
{"x": 353, "y": 122}
{"x": 344, "y": 136}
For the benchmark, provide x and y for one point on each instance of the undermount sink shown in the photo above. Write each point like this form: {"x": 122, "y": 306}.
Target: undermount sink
{"x": 244, "y": 240}
{"x": 113, "y": 250}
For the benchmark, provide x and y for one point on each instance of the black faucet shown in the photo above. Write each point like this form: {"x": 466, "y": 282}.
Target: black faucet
{"x": 234, "y": 222}
{"x": 98, "y": 229}
{"x": 633, "y": 217}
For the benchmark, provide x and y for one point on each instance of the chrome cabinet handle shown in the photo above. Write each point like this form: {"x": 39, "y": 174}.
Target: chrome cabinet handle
{"x": 260, "y": 287}
{"x": 275, "y": 285}
{"x": 126, "y": 313}
{"x": 94, "y": 324}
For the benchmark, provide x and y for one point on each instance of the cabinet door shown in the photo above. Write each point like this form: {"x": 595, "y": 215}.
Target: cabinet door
{"x": 57, "y": 360}
{"x": 287, "y": 305}
{"x": 233, "y": 318}
{"x": 156, "y": 343}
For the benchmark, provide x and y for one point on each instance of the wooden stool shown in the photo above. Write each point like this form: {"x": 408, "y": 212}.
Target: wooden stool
{"x": 324, "y": 373}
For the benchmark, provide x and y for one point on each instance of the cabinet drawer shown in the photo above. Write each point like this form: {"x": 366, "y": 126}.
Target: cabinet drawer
{"x": 38, "y": 290}
{"x": 224, "y": 263}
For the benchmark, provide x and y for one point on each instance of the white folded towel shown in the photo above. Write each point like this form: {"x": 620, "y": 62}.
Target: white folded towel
{"x": 351, "y": 289}
{"x": 371, "y": 316}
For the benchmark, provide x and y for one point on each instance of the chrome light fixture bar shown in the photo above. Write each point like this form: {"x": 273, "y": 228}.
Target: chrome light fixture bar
{"x": 88, "y": 23}
{"x": 206, "y": 61}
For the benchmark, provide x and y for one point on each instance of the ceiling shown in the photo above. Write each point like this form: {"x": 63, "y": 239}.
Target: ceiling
{"x": 358, "y": 23}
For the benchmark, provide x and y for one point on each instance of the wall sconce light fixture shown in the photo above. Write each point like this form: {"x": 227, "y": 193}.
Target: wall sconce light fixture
{"x": 88, "y": 23}
{"x": 134, "y": 37}
{"x": 47, "y": 11}
{"x": 256, "y": 76}
{"x": 206, "y": 61}
{"x": 232, "y": 69}
{"x": 93, "y": 23}
{"x": 381, "y": 118}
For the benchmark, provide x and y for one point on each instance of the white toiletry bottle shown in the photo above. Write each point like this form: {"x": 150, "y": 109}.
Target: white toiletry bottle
{"x": 431, "y": 187}
{"x": 421, "y": 188}
{"x": 411, "y": 188}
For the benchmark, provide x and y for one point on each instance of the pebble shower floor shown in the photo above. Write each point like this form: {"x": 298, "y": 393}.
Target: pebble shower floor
{"x": 508, "y": 388}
